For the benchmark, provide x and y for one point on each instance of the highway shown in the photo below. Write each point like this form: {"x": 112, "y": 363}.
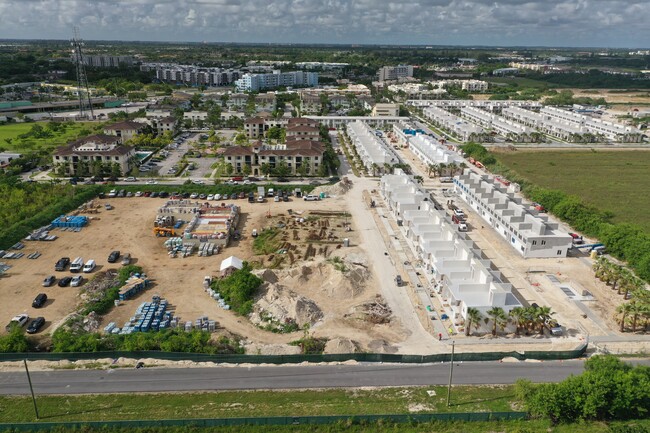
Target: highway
{"x": 123, "y": 380}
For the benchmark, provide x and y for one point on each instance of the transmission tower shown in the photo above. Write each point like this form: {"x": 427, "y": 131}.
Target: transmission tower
{"x": 85, "y": 105}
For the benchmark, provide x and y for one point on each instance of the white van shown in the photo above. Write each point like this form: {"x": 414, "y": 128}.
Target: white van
{"x": 76, "y": 265}
{"x": 89, "y": 266}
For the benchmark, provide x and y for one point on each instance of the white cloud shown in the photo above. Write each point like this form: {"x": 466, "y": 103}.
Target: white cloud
{"x": 471, "y": 22}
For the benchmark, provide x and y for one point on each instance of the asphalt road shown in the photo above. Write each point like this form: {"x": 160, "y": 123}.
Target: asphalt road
{"x": 282, "y": 377}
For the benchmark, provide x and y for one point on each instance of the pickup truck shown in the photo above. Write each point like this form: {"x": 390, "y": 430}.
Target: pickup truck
{"x": 62, "y": 264}
{"x": 19, "y": 320}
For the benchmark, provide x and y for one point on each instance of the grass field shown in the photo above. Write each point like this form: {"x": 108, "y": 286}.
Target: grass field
{"x": 521, "y": 82}
{"x": 10, "y": 132}
{"x": 232, "y": 404}
{"x": 615, "y": 181}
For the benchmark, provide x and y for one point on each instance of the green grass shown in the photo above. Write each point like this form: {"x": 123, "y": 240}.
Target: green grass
{"x": 11, "y": 131}
{"x": 614, "y": 181}
{"x": 232, "y": 404}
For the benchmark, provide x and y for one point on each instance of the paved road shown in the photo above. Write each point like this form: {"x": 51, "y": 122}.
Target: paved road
{"x": 282, "y": 377}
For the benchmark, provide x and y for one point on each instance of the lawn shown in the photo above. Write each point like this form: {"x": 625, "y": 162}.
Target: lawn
{"x": 614, "y": 181}
{"x": 233, "y": 404}
{"x": 10, "y": 133}
{"x": 522, "y": 82}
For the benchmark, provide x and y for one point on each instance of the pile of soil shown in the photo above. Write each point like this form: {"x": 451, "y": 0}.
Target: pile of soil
{"x": 283, "y": 305}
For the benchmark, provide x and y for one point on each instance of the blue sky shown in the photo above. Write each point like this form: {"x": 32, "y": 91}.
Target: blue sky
{"x": 586, "y": 23}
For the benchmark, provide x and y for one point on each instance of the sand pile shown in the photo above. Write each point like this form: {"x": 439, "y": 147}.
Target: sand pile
{"x": 339, "y": 188}
{"x": 280, "y": 306}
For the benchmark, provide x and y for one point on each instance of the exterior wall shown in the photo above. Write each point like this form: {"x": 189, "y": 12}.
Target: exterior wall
{"x": 371, "y": 149}
{"x": 71, "y": 161}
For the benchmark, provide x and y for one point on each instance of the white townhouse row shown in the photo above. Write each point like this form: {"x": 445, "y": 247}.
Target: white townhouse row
{"x": 430, "y": 151}
{"x": 463, "y": 277}
{"x": 461, "y": 128}
{"x": 403, "y": 132}
{"x": 610, "y": 130}
{"x": 342, "y": 121}
{"x": 484, "y": 104}
{"x": 508, "y": 128}
{"x": 528, "y": 232}
{"x": 555, "y": 127}
{"x": 371, "y": 148}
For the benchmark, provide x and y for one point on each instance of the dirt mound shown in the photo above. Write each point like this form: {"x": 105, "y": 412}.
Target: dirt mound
{"x": 334, "y": 278}
{"x": 271, "y": 349}
{"x": 281, "y": 307}
{"x": 339, "y": 188}
{"x": 342, "y": 345}
{"x": 375, "y": 312}
{"x": 381, "y": 346}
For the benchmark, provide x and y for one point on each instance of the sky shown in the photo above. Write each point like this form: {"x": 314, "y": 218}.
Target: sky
{"x": 558, "y": 23}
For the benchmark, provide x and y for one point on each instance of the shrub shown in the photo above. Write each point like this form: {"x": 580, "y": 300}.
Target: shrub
{"x": 238, "y": 289}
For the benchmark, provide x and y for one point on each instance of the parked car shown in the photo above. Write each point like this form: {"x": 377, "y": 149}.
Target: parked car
{"x": 126, "y": 260}
{"x": 112, "y": 193}
{"x": 62, "y": 264}
{"x": 108, "y": 206}
{"x": 163, "y": 194}
{"x": 459, "y": 213}
{"x": 242, "y": 194}
{"x": 210, "y": 197}
{"x": 65, "y": 281}
{"x": 113, "y": 256}
{"x": 233, "y": 196}
{"x": 462, "y": 226}
{"x": 130, "y": 179}
{"x": 48, "y": 281}
{"x": 194, "y": 195}
{"x": 39, "y": 300}
{"x": 276, "y": 198}
{"x": 19, "y": 320}
{"x": 76, "y": 281}
{"x": 311, "y": 197}
{"x": 217, "y": 196}
{"x": 36, "y": 325}
{"x": 399, "y": 281}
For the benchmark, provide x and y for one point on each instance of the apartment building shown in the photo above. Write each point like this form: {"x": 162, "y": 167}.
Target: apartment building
{"x": 257, "y": 82}
{"x": 342, "y": 121}
{"x": 609, "y": 130}
{"x": 303, "y": 132}
{"x": 106, "y": 61}
{"x": 165, "y": 124}
{"x": 105, "y": 149}
{"x": 372, "y": 150}
{"x": 194, "y": 116}
{"x": 389, "y": 73}
{"x": 297, "y": 155}
{"x": 265, "y": 102}
{"x": 495, "y": 106}
{"x": 124, "y": 130}
{"x": 468, "y": 85}
{"x": 452, "y": 261}
{"x": 513, "y": 131}
{"x": 191, "y": 75}
{"x": 528, "y": 232}
{"x": 385, "y": 110}
{"x": 310, "y": 104}
{"x": 237, "y": 101}
{"x": 462, "y": 129}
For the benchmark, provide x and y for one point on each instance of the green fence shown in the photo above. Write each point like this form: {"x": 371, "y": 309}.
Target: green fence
{"x": 272, "y": 421}
{"x": 296, "y": 359}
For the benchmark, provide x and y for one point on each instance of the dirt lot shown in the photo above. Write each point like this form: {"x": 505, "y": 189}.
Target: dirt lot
{"x": 310, "y": 245}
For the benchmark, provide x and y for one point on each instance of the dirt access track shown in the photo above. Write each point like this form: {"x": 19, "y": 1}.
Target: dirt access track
{"x": 128, "y": 228}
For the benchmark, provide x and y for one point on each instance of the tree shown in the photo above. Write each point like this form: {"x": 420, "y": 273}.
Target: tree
{"x": 518, "y": 316}
{"x": 246, "y": 169}
{"x": 374, "y": 167}
{"x": 266, "y": 169}
{"x": 498, "y": 318}
{"x": 473, "y": 319}
{"x": 622, "y": 312}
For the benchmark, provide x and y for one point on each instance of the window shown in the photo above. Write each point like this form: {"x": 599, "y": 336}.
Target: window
{"x": 559, "y": 252}
{"x": 543, "y": 242}
{"x": 534, "y": 242}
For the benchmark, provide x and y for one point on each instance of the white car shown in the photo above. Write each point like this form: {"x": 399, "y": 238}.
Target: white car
{"x": 217, "y": 196}
{"x": 151, "y": 182}
{"x": 194, "y": 195}
{"x": 210, "y": 197}
{"x": 311, "y": 197}
{"x": 459, "y": 212}
{"x": 138, "y": 193}
{"x": 76, "y": 281}
{"x": 247, "y": 182}
{"x": 130, "y": 179}
{"x": 112, "y": 193}
{"x": 20, "y": 320}
{"x": 198, "y": 182}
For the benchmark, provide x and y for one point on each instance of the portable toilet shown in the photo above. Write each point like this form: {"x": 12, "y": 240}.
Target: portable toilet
{"x": 323, "y": 195}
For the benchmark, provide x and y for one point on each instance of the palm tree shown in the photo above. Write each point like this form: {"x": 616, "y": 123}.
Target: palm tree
{"x": 462, "y": 166}
{"x": 498, "y": 317}
{"x": 622, "y": 312}
{"x": 473, "y": 319}
{"x": 637, "y": 309}
{"x": 632, "y": 284}
{"x": 433, "y": 168}
{"x": 544, "y": 316}
{"x": 599, "y": 266}
{"x": 452, "y": 168}
{"x": 518, "y": 317}
{"x": 441, "y": 167}
{"x": 374, "y": 167}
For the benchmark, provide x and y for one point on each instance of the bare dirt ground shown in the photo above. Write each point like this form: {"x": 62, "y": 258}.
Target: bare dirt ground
{"x": 310, "y": 274}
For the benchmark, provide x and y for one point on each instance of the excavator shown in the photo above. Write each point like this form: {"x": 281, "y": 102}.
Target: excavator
{"x": 163, "y": 232}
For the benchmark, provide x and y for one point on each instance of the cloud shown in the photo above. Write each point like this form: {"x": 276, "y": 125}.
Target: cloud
{"x": 431, "y": 22}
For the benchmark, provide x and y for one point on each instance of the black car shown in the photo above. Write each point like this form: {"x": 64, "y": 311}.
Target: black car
{"x": 36, "y": 325}
{"x": 97, "y": 179}
{"x": 163, "y": 194}
{"x": 65, "y": 281}
{"x": 233, "y": 196}
{"x": 186, "y": 195}
{"x": 251, "y": 197}
{"x": 62, "y": 264}
{"x": 154, "y": 194}
{"x": 113, "y": 256}
{"x": 39, "y": 301}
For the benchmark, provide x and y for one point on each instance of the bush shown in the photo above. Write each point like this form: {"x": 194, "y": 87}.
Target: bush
{"x": 609, "y": 389}
{"x": 238, "y": 289}
{"x": 14, "y": 342}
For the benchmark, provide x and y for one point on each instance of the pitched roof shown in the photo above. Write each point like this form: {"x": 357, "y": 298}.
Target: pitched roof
{"x": 256, "y": 120}
{"x": 126, "y": 125}
{"x": 231, "y": 262}
{"x": 295, "y": 121}
{"x": 303, "y": 128}
{"x": 97, "y": 138}
{"x": 238, "y": 151}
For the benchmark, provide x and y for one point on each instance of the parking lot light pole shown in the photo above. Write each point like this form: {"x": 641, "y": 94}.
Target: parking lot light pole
{"x": 451, "y": 373}
{"x": 31, "y": 389}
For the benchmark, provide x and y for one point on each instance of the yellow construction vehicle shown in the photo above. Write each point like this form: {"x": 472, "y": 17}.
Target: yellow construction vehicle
{"x": 163, "y": 232}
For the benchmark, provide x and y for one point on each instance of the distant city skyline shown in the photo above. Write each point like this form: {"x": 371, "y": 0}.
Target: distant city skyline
{"x": 550, "y": 23}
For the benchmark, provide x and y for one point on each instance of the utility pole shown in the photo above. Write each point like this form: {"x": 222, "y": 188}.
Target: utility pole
{"x": 85, "y": 103}
{"x": 31, "y": 389}
{"x": 451, "y": 373}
